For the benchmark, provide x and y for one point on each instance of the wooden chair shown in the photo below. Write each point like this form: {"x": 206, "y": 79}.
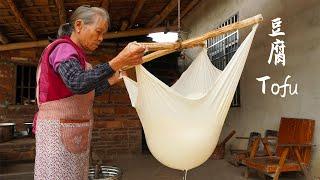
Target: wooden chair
{"x": 237, "y": 155}
{"x": 293, "y": 151}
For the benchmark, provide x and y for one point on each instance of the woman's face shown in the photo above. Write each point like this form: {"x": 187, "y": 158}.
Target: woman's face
{"x": 91, "y": 35}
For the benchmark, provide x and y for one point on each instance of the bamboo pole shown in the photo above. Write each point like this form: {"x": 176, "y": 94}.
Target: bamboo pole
{"x": 152, "y": 56}
{"x": 238, "y": 25}
{"x": 160, "y": 48}
{"x": 157, "y": 54}
{"x": 163, "y": 46}
{"x": 199, "y": 40}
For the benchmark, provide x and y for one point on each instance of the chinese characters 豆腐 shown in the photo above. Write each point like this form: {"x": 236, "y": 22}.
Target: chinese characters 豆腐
{"x": 278, "y": 55}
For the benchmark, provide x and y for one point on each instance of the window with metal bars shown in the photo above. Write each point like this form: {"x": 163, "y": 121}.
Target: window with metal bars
{"x": 26, "y": 84}
{"x": 221, "y": 50}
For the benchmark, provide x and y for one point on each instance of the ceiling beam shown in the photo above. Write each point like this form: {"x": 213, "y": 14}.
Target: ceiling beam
{"x": 157, "y": 19}
{"x": 106, "y": 5}
{"x": 61, "y": 11}
{"x": 24, "y": 45}
{"x": 185, "y": 11}
{"x": 30, "y": 15}
{"x": 138, "y": 32}
{"x": 29, "y": 2}
{"x": 136, "y": 12}
{"x": 3, "y": 39}
{"x": 109, "y": 35}
{"x": 20, "y": 18}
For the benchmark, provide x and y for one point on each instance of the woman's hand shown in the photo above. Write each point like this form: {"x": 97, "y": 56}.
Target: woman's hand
{"x": 116, "y": 77}
{"x": 131, "y": 55}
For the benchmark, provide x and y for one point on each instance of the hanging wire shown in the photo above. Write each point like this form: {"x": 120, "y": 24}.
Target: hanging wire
{"x": 179, "y": 21}
{"x": 181, "y": 55}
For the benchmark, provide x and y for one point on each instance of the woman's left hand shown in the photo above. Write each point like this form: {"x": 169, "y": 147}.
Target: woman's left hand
{"x": 117, "y": 76}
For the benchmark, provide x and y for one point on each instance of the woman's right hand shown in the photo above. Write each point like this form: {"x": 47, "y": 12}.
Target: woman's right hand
{"x": 131, "y": 55}
{"x": 116, "y": 77}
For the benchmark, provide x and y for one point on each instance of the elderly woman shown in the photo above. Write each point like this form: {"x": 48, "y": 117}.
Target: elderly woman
{"x": 66, "y": 86}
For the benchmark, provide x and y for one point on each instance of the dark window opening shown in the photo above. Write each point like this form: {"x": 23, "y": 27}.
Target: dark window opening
{"x": 222, "y": 48}
{"x": 26, "y": 85}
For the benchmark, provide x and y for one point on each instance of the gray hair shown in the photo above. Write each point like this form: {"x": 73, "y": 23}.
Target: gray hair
{"x": 86, "y": 14}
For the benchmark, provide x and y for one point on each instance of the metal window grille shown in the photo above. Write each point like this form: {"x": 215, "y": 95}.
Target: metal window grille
{"x": 222, "y": 48}
{"x": 26, "y": 84}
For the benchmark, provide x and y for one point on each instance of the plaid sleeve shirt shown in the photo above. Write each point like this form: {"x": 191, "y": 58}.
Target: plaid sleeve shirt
{"x": 80, "y": 81}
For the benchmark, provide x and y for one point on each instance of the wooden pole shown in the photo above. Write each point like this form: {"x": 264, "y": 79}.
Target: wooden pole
{"x": 166, "y": 48}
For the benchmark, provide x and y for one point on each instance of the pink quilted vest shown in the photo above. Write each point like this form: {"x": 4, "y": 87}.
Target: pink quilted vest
{"x": 50, "y": 84}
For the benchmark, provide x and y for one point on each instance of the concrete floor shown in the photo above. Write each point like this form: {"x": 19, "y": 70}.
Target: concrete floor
{"x": 137, "y": 167}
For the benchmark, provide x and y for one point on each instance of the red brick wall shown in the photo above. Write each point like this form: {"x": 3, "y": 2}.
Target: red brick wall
{"x": 8, "y": 111}
{"x": 7, "y": 85}
{"x": 117, "y": 129}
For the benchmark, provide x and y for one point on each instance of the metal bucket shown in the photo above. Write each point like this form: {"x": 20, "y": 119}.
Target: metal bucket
{"x": 105, "y": 173}
{"x": 7, "y": 131}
